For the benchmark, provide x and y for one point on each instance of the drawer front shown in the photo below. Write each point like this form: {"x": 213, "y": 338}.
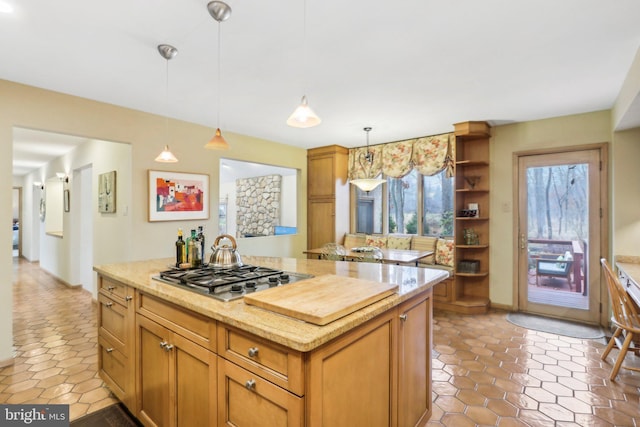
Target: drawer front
{"x": 113, "y": 321}
{"x": 113, "y": 368}
{"x": 245, "y": 399}
{"x": 113, "y": 289}
{"x": 189, "y": 324}
{"x": 276, "y": 363}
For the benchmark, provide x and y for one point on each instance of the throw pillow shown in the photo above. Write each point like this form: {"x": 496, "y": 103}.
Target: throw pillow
{"x": 396, "y": 242}
{"x": 377, "y": 241}
{"x": 444, "y": 252}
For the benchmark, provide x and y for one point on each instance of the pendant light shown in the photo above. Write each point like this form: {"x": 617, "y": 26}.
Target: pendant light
{"x": 167, "y": 52}
{"x": 220, "y": 11}
{"x": 303, "y": 116}
{"x": 370, "y": 182}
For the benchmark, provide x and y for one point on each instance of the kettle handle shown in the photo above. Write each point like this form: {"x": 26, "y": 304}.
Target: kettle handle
{"x": 222, "y": 236}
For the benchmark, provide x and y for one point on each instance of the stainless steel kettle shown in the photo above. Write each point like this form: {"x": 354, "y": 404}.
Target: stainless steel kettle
{"x": 225, "y": 256}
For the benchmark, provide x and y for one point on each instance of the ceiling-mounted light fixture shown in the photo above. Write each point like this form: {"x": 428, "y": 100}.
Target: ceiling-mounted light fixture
{"x": 220, "y": 11}
{"x": 370, "y": 182}
{"x": 167, "y": 52}
{"x": 303, "y": 116}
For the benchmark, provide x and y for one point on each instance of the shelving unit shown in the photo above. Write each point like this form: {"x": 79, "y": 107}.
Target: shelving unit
{"x": 472, "y": 188}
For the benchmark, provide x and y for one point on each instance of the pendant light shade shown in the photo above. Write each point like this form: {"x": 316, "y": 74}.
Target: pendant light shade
{"x": 220, "y": 11}
{"x": 369, "y": 183}
{"x": 167, "y": 52}
{"x": 166, "y": 156}
{"x": 303, "y": 116}
{"x": 217, "y": 142}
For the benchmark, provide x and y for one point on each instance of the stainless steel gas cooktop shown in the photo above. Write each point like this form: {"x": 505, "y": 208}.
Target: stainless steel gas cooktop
{"x": 228, "y": 284}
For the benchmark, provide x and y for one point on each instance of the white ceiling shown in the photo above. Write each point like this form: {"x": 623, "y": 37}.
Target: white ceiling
{"x": 407, "y": 68}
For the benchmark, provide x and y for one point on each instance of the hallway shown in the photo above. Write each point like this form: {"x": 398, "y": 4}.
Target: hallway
{"x": 486, "y": 370}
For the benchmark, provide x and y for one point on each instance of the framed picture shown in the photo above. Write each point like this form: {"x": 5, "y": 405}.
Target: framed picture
{"x": 107, "y": 192}
{"x": 66, "y": 196}
{"x": 175, "y": 196}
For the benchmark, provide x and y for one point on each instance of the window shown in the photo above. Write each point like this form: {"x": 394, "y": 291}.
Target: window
{"x": 416, "y": 204}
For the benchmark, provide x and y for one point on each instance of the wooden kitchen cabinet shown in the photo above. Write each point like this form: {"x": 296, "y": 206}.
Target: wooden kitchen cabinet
{"x": 364, "y": 360}
{"x": 115, "y": 338}
{"x": 414, "y": 361}
{"x": 327, "y": 194}
{"x": 246, "y": 399}
{"x": 176, "y": 378}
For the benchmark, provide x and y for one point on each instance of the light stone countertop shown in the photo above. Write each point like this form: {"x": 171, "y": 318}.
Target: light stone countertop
{"x": 295, "y": 334}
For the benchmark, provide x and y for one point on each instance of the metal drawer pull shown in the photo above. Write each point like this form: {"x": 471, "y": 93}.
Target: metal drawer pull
{"x": 250, "y": 384}
{"x": 163, "y": 344}
{"x": 110, "y": 288}
{"x": 109, "y": 350}
{"x": 108, "y": 304}
{"x": 168, "y": 347}
{"x": 129, "y": 298}
{"x": 403, "y": 317}
{"x": 253, "y": 351}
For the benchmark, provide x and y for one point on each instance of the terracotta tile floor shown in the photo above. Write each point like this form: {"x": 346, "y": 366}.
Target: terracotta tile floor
{"x": 486, "y": 372}
{"x": 55, "y": 340}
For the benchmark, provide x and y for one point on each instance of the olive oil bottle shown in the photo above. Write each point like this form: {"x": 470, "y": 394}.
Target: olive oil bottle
{"x": 181, "y": 250}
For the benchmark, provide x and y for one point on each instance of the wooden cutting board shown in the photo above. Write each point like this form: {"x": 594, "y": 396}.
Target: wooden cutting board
{"x": 322, "y": 299}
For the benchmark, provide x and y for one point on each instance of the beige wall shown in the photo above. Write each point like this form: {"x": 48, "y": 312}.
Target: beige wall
{"x": 625, "y": 194}
{"x": 507, "y": 140}
{"x": 29, "y": 107}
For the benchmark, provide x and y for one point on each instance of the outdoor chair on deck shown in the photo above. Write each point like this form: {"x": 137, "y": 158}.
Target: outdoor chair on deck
{"x": 624, "y": 318}
{"x": 553, "y": 268}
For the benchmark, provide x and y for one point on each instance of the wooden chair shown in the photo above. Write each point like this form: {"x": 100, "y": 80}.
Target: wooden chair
{"x": 624, "y": 317}
{"x": 333, "y": 252}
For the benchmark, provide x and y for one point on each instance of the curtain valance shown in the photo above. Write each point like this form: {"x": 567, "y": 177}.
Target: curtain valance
{"x": 428, "y": 155}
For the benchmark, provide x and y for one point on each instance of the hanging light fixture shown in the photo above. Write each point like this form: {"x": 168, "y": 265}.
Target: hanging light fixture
{"x": 303, "y": 116}
{"x": 370, "y": 182}
{"x": 167, "y": 52}
{"x": 220, "y": 11}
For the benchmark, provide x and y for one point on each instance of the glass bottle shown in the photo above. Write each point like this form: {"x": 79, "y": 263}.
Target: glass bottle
{"x": 192, "y": 253}
{"x": 180, "y": 249}
{"x": 201, "y": 239}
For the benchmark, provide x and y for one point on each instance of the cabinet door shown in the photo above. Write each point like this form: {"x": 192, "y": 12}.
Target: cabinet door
{"x": 246, "y": 400}
{"x": 194, "y": 383}
{"x": 177, "y": 379}
{"x": 321, "y": 226}
{"x": 414, "y": 362}
{"x": 351, "y": 379}
{"x": 321, "y": 177}
{"x": 153, "y": 376}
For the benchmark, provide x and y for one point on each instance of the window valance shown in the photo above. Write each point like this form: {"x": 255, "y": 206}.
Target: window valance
{"x": 427, "y": 155}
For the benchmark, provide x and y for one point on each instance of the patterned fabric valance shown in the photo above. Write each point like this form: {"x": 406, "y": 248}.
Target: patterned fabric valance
{"x": 428, "y": 155}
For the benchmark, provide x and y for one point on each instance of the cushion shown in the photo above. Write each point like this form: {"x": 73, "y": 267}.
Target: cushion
{"x": 398, "y": 242}
{"x": 377, "y": 241}
{"x": 353, "y": 240}
{"x": 444, "y": 252}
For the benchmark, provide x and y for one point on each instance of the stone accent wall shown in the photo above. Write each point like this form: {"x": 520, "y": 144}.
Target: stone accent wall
{"x": 258, "y": 205}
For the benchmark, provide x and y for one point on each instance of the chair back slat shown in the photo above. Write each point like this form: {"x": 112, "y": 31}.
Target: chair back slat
{"x": 624, "y": 310}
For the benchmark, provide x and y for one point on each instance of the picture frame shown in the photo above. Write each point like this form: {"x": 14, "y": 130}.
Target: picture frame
{"x": 67, "y": 202}
{"x": 176, "y": 196}
{"x": 107, "y": 192}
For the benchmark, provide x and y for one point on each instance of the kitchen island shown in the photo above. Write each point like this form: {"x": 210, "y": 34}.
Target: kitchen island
{"x": 175, "y": 357}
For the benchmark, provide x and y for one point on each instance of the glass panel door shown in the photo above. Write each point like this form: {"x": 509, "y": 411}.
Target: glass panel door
{"x": 559, "y": 216}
